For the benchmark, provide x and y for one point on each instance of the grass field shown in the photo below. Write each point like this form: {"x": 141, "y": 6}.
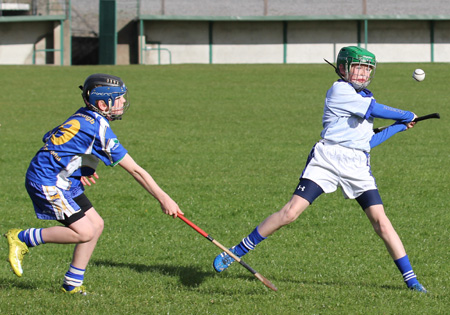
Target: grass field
{"x": 228, "y": 143}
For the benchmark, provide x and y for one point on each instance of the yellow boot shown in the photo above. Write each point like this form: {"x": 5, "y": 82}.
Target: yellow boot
{"x": 81, "y": 290}
{"x": 17, "y": 249}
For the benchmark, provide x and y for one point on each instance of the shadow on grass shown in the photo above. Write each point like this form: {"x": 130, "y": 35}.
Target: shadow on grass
{"x": 193, "y": 277}
{"x": 189, "y": 277}
{"x": 346, "y": 284}
{"x": 16, "y": 283}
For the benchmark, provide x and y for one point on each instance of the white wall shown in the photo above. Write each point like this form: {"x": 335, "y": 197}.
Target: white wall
{"x": 307, "y": 41}
{"x": 17, "y": 41}
{"x": 247, "y": 42}
{"x": 400, "y": 41}
{"x": 187, "y": 42}
{"x": 311, "y": 42}
{"x": 442, "y": 42}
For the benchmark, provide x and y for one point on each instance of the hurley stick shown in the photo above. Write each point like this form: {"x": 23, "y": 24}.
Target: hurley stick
{"x": 260, "y": 277}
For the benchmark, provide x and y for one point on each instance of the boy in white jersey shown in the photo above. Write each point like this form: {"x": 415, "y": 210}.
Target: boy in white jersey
{"x": 65, "y": 163}
{"x": 341, "y": 159}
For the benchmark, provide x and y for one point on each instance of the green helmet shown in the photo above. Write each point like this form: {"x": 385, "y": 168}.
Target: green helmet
{"x": 355, "y": 55}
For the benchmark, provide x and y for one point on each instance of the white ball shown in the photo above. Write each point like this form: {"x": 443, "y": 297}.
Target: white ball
{"x": 419, "y": 75}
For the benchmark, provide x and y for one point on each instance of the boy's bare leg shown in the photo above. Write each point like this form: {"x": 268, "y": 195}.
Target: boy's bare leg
{"x": 383, "y": 227}
{"x": 286, "y": 215}
{"x": 83, "y": 251}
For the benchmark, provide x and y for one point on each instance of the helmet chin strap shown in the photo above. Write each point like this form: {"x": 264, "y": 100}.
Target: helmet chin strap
{"x": 103, "y": 113}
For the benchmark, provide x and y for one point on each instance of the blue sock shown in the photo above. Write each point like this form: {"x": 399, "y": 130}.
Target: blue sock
{"x": 249, "y": 243}
{"x": 405, "y": 268}
{"x": 32, "y": 237}
{"x": 73, "y": 278}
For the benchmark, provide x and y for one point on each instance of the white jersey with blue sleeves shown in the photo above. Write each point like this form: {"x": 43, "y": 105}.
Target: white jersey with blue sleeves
{"x": 344, "y": 118}
{"x": 74, "y": 149}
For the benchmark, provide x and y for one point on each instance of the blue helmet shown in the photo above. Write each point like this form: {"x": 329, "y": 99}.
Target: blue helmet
{"x": 106, "y": 88}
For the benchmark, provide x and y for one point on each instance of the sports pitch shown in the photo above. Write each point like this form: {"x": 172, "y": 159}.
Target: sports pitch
{"x": 228, "y": 143}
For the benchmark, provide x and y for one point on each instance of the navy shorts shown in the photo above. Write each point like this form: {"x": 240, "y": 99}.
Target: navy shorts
{"x": 53, "y": 203}
{"x": 308, "y": 190}
{"x": 369, "y": 198}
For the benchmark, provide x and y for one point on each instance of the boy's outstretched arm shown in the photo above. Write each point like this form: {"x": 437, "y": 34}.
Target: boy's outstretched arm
{"x": 404, "y": 120}
{"x": 168, "y": 206}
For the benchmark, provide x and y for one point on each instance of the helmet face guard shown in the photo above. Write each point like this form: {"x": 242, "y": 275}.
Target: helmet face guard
{"x": 350, "y": 56}
{"x": 109, "y": 89}
{"x": 116, "y": 98}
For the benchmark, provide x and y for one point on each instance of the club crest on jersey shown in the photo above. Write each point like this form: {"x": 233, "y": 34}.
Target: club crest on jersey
{"x": 113, "y": 144}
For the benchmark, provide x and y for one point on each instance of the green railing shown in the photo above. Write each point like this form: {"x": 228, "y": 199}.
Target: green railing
{"x": 158, "y": 49}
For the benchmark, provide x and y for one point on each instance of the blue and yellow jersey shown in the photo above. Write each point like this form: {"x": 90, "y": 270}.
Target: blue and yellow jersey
{"x": 74, "y": 149}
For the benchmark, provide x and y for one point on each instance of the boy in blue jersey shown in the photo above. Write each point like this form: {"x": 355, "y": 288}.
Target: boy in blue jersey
{"x": 67, "y": 162}
{"x": 341, "y": 159}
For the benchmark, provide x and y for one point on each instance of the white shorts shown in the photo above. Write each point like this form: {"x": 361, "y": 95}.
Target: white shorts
{"x": 331, "y": 166}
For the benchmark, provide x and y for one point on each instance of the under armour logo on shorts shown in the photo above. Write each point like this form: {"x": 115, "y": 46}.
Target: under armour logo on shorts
{"x": 300, "y": 187}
